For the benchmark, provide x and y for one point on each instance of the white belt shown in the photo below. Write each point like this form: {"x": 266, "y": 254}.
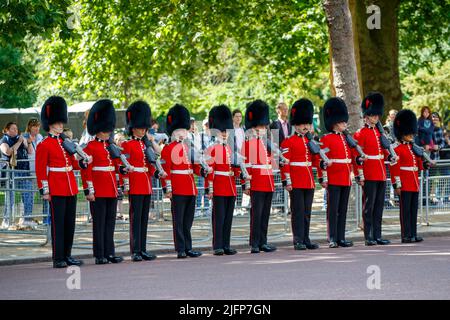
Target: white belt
{"x": 110, "y": 168}
{"x": 262, "y": 166}
{"x": 189, "y": 171}
{"x": 341, "y": 160}
{"x": 409, "y": 168}
{"x": 60, "y": 169}
{"x": 224, "y": 173}
{"x": 377, "y": 157}
{"x": 140, "y": 169}
{"x": 300, "y": 164}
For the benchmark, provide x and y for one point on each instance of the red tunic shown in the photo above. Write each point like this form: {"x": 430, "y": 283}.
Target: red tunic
{"x": 180, "y": 171}
{"x": 339, "y": 173}
{"x": 140, "y": 180}
{"x": 104, "y": 182}
{"x": 369, "y": 140}
{"x": 406, "y": 170}
{"x": 301, "y": 162}
{"x": 220, "y": 161}
{"x": 259, "y": 165}
{"x": 51, "y": 154}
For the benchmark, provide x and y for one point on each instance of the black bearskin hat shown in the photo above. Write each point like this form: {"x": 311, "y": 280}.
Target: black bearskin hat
{"x": 373, "y": 104}
{"x": 178, "y": 117}
{"x": 138, "y": 115}
{"x": 334, "y": 111}
{"x": 257, "y": 114}
{"x": 302, "y": 112}
{"x": 405, "y": 123}
{"x": 220, "y": 118}
{"x": 102, "y": 117}
{"x": 54, "y": 110}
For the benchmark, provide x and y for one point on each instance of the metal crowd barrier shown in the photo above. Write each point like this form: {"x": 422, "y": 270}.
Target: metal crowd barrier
{"x": 434, "y": 207}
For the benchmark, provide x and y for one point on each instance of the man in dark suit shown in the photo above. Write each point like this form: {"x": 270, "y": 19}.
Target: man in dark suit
{"x": 282, "y": 124}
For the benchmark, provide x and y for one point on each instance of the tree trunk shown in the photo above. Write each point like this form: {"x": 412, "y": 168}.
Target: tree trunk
{"x": 378, "y": 50}
{"x": 345, "y": 78}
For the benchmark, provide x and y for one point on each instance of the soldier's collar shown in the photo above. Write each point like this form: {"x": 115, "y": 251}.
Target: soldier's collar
{"x": 54, "y": 136}
{"x": 301, "y": 135}
{"x": 136, "y": 138}
{"x": 336, "y": 132}
{"x": 369, "y": 126}
{"x": 100, "y": 140}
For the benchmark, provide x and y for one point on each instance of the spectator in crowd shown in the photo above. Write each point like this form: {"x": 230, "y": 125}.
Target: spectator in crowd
{"x": 282, "y": 124}
{"x": 426, "y": 129}
{"x": 14, "y": 150}
{"x": 119, "y": 138}
{"x": 85, "y": 136}
{"x": 34, "y": 138}
{"x": 238, "y": 137}
{"x": 438, "y": 144}
{"x": 444, "y": 154}
{"x": 203, "y": 141}
{"x": 389, "y": 126}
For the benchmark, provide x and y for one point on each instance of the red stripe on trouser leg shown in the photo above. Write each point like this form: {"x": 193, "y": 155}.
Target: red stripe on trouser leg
{"x": 131, "y": 225}
{"x": 174, "y": 224}
{"x": 402, "y": 227}
{"x": 54, "y": 230}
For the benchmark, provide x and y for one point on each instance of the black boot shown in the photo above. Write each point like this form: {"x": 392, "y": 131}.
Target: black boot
{"x": 59, "y": 264}
{"x": 73, "y": 262}
{"x": 114, "y": 259}
{"x": 148, "y": 256}
{"x": 101, "y": 261}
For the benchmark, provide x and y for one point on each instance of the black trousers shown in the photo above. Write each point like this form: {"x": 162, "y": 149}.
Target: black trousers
{"x": 139, "y": 210}
{"x": 63, "y": 211}
{"x": 261, "y": 203}
{"x": 301, "y": 206}
{"x": 183, "y": 209}
{"x": 103, "y": 211}
{"x": 337, "y": 211}
{"x": 409, "y": 204}
{"x": 373, "y": 204}
{"x": 222, "y": 218}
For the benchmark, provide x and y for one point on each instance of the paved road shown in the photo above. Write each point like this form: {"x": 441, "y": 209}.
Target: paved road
{"x": 408, "y": 271}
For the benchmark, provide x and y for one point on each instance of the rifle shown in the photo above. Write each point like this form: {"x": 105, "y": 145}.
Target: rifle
{"x": 152, "y": 157}
{"x": 115, "y": 153}
{"x": 354, "y": 145}
{"x": 314, "y": 147}
{"x": 196, "y": 156}
{"x": 385, "y": 143}
{"x": 420, "y": 152}
{"x": 272, "y": 147}
{"x": 72, "y": 148}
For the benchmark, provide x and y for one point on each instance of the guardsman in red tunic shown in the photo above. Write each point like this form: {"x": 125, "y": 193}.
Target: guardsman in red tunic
{"x": 56, "y": 181}
{"x": 221, "y": 183}
{"x": 297, "y": 175}
{"x": 336, "y": 178}
{"x": 179, "y": 184}
{"x": 138, "y": 182}
{"x": 371, "y": 175}
{"x": 405, "y": 174}
{"x": 99, "y": 181}
{"x": 258, "y": 161}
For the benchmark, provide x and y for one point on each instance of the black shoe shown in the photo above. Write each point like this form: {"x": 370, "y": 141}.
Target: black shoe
{"x": 219, "y": 252}
{"x": 148, "y": 256}
{"x": 59, "y": 264}
{"x": 417, "y": 239}
{"x": 299, "y": 246}
{"x": 371, "y": 242}
{"x": 254, "y": 250}
{"x": 229, "y": 251}
{"x": 193, "y": 254}
{"x": 312, "y": 246}
{"x": 181, "y": 255}
{"x": 345, "y": 243}
{"x": 114, "y": 259}
{"x": 267, "y": 248}
{"x": 136, "y": 257}
{"x": 383, "y": 242}
{"x": 73, "y": 262}
{"x": 406, "y": 240}
{"x": 101, "y": 261}
{"x": 333, "y": 244}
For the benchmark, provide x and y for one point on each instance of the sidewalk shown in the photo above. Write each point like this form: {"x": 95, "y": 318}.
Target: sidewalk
{"x": 10, "y": 255}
